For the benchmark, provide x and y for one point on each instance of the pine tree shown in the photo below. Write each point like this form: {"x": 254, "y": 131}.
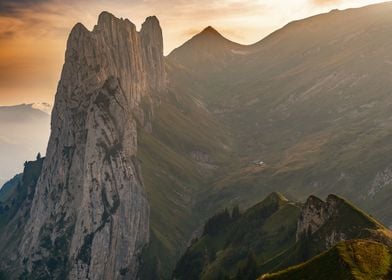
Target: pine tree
{"x": 235, "y": 213}
{"x": 249, "y": 270}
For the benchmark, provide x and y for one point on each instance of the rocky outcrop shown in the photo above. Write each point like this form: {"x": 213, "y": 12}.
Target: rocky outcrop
{"x": 383, "y": 179}
{"x": 90, "y": 216}
{"x": 313, "y": 215}
{"x": 333, "y": 221}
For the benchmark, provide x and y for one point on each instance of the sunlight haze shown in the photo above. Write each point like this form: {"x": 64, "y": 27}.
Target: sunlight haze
{"x": 33, "y": 33}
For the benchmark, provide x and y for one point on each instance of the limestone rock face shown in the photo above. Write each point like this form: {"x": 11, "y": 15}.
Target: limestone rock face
{"x": 316, "y": 213}
{"x": 333, "y": 221}
{"x": 313, "y": 215}
{"x": 90, "y": 216}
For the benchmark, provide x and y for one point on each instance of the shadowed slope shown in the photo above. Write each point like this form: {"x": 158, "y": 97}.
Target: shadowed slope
{"x": 228, "y": 239}
{"x": 311, "y": 101}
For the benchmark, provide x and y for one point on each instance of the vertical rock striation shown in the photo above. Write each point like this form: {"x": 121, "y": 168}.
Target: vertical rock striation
{"x": 313, "y": 215}
{"x": 333, "y": 221}
{"x": 90, "y": 216}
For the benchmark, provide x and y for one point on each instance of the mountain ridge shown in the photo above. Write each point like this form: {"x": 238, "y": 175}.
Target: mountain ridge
{"x": 266, "y": 101}
{"x": 319, "y": 227}
{"x": 355, "y": 259}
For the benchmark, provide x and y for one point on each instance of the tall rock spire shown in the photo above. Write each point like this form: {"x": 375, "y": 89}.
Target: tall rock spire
{"x": 90, "y": 216}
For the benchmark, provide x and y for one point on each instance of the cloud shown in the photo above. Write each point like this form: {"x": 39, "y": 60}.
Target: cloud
{"x": 325, "y": 2}
{"x": 12, "y": 7}
{"x": 33, "y": 33}
{"x": 7, "y": 34}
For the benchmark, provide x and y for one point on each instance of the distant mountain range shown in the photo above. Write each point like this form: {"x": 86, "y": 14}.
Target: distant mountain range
{"x": 24, "y": 131}
{"x": 312, "y": 101}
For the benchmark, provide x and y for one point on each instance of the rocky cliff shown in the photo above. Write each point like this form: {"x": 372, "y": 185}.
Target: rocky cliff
{"x": 313, "y": 215}
{"x": 333, "y": 221}
{"x": 90, "y": 216}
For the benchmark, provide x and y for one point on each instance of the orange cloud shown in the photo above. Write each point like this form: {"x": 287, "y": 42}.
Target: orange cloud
{"x": 33, "y": 33}
{"x": 326, "y": 2}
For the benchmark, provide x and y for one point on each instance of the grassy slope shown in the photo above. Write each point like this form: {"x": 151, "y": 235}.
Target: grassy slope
{"x": 265, "y": 229}
{"x": 173, "y": 177}
{"x": 346, "y": 220}
{"x": 349, "y": 260}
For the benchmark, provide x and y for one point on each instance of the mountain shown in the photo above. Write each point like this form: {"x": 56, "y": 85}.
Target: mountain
{"x": 276, "y": 234}
{"x": 43, "y": 106}
{"x": 21, "y": 113}
{"x": 321, "y": 225}
{"x": 145, "y": 148}
{"x": 168, "y": 143}
{"x": 89, "y": 214}
{"x": 206, "y": 53}
{"x": 311, "y": 101}
{"x": 24, "y": 131}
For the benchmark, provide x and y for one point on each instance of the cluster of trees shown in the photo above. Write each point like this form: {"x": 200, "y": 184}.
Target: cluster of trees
{"x": 4, "y": 208}
{"x": 22, "y": 190}
{"x": 248, "y": 271}
{"x": 219, "y": 221}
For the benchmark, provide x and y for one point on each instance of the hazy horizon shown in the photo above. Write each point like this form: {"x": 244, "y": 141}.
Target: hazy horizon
{"x": 28, "y": 75}
{"x": 24, "y": 131}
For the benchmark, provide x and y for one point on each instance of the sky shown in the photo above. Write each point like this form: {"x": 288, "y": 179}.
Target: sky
{"x": 33, "y": 33}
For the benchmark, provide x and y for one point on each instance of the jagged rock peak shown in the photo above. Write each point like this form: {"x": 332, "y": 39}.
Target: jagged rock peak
{"x": 90, "y": 214}
{"x": 151, "y": 36}
{"x": 107, "y": 20}
{"x": 153, "y": 20}
{"x": 316, "y": 213}
{"x": 152, "y": 28}
{"x": 313, "y": 215}
{"x": 314, "y": 200}
{"x": 78, "y": 28}
{"x": 106, "y": 17}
